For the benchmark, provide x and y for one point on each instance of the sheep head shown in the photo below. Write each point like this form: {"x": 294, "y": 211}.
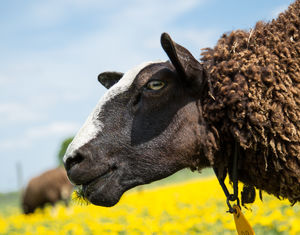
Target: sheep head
{"x": 147, "y": 126}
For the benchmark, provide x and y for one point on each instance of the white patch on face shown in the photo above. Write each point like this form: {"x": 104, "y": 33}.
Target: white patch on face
{"x": 92, "y": 125}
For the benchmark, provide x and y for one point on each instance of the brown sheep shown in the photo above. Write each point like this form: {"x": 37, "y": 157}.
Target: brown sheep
{"x": 161, "y": 117}
{"x": 49, "y": 187}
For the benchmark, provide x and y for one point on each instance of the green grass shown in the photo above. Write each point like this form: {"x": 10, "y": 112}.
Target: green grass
{"x": 180, "y": 176}
{"x": 8, "y": 201}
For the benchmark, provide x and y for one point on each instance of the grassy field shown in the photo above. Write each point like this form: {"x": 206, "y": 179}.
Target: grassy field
{"x": 9, "y": 200}
{"x": 183, "y": 204}
{"x": 12, "y": 199}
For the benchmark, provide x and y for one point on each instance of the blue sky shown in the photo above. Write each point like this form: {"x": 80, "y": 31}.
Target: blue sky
{"x": 52, "y": 52}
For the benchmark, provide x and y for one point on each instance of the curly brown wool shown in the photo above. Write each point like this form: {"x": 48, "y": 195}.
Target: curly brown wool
{"x": 255, "y": 85}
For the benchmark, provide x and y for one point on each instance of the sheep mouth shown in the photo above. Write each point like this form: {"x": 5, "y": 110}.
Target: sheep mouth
{"x": 102, "y": 177}
{"x": 97, "y": 190}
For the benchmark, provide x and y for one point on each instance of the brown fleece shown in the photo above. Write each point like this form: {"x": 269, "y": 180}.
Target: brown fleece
{"x": 254, "y": 80}
{"x": 49, "y": 187}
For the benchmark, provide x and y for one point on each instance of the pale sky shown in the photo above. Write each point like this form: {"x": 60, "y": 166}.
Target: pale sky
{"x": 53, "y": 50}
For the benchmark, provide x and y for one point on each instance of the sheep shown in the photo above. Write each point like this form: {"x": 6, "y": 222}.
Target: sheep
{"x": 49, "y": 187}
{"x": 161, "y": 117}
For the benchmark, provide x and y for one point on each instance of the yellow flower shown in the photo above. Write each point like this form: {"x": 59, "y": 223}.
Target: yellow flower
{"x": 3, "y": 225}
{"x": 193, "y": 207}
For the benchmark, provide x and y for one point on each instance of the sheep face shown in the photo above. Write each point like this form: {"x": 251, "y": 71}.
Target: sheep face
{"x": 145, "y": 128}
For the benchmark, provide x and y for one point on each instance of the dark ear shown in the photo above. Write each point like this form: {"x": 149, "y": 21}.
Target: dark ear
{"x": 108, "y": 79}
{"x": 184, "y": 62}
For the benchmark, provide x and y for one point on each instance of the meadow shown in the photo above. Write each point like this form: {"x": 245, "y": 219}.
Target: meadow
{"x": 193, "y": 206}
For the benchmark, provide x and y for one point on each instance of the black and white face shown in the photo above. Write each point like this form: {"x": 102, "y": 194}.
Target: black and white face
{"x": 143, "y": 129}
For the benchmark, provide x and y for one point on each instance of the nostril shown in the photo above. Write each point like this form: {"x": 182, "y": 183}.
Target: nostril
{"x": 74, "y": 160}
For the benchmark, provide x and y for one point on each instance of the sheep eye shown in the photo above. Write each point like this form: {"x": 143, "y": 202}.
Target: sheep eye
{"x": 155, "y": 85}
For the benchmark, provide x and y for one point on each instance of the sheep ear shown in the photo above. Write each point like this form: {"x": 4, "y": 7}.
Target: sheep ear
{"x": 108, "y": 79}
{"x": 184, "y": 62}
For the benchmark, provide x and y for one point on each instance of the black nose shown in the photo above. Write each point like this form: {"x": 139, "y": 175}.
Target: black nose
{"x": 73, "y": 160}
